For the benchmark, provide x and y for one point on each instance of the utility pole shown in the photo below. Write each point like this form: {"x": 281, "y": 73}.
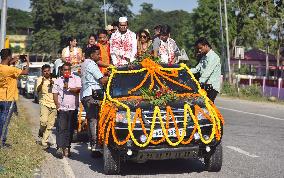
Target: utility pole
{"x": 3, "y": 24}
{"x": 227, "y": 42}
{"x": 267, "y": 38}
{"x": 222, "y": 37}
{"x": 105, "y": 13}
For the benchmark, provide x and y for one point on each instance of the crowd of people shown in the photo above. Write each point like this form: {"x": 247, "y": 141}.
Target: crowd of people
{"x": 82, "y": 73}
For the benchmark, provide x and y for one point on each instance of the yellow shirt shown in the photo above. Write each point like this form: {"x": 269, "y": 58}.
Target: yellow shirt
{"x": 45, "y": 94}
{"x": 8, "y": 83}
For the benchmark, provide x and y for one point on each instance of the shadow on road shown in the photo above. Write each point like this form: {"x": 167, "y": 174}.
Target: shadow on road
{"x": 130, "y": 168}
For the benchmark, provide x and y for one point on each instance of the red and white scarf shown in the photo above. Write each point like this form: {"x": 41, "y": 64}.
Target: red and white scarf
{"x": 167, "y": 51}
{"x": 122, "y": 45}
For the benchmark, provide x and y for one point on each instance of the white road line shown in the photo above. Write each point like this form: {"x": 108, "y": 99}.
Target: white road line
{"x": 66, "y": 166}
{"x": 242, "y": 151}
{"x": 244, "y": 112}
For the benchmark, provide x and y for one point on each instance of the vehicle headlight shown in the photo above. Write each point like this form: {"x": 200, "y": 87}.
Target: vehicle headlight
{"x": 200, "y": 115}
{"x": 121, "y": 116}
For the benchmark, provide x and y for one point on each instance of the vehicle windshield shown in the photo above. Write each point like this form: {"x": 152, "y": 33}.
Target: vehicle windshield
{"x": 122, "y": 83}
{"x": 34, "y": 72}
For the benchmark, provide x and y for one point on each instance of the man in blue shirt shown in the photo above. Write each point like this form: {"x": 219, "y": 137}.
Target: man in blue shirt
{"x": 92, "y": 91}
{"x": 209, "y": 68}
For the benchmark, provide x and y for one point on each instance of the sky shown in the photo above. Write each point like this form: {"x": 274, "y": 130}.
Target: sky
{"x": 166, "y": 5}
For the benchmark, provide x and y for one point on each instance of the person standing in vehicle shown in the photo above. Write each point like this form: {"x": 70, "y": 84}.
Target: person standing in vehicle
{"x": 123, "y": 44}
{"x": 72, "y": 54}
{"x": 8, "y": 91}
{"x": 165, "y": 47}
{"x": 209, "y": 68}
{"x": 92, "y": 91}
{"x": 103, "y": 44}
{"x": 66, "y": 91}
{"x": 47, "y": 106}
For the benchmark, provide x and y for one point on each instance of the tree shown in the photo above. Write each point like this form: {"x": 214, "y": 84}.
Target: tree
{"x": 18, "y": 22}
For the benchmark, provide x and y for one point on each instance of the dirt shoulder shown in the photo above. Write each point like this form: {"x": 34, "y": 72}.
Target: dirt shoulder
{"x": 51, "y": 166}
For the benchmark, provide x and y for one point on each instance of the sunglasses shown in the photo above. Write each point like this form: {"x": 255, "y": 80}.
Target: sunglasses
{"x": 143, "y": 36}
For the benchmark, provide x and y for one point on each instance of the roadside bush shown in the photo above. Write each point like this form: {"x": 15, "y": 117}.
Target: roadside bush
{"x": 229, "y": 89}
{"x": 251, "y": 91}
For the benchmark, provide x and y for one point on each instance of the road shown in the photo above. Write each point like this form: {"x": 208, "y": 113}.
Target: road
{"x": 253, "y": 146}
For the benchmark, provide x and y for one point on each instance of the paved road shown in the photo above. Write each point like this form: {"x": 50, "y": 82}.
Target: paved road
{"x": 253, "y": 146}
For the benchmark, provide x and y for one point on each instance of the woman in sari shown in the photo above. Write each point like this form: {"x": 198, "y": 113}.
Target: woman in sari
{"x": 72, "y": 53}
{"x": 144, "y": 44}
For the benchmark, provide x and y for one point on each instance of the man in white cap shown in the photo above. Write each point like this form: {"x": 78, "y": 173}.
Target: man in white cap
{"x": 123, "y": 44}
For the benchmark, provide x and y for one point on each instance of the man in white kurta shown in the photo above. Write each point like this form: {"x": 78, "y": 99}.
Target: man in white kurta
{"x": 123, "y": 44}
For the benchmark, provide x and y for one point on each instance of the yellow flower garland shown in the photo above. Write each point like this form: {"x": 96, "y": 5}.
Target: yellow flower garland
{"x": 109, "y": 108}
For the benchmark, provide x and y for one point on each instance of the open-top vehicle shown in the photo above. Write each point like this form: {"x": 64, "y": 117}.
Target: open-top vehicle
{"x": 155, "y": 112}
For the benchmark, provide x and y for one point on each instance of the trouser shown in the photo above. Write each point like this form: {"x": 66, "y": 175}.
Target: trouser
{"x": 66, "y": 121}
{"x": 92, "y": 108}
{"x": 211, "y": 92}
{"x": 47, "y": 119}
{"x": 6, "y": 111}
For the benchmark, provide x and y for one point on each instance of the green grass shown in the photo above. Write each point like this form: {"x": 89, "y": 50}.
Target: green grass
{"x": 25, "y": 155}
{"x": 252, "y": 93}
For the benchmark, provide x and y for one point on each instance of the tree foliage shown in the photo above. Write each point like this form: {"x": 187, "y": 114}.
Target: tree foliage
{"x": 18, "y": 21}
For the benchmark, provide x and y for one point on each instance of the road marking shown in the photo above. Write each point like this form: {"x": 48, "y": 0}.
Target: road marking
{"x": 244, "y": 112}
{"x": 242, "y": 151}
{"x": 66, "y": 166}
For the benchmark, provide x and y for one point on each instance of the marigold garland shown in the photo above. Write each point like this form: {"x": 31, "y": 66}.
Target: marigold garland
{"x": 110, "y": 106}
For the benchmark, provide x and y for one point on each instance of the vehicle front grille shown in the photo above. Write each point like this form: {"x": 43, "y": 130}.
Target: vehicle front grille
{"x": 178, "y": 116}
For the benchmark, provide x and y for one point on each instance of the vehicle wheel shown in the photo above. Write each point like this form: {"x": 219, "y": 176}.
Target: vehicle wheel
{"x": 28, "y": 96}
{"x": 111, "y": 161}
{"x": 96, "y": 154}
{"x": 213, "y": 160}
{"x": 21, "y": 91}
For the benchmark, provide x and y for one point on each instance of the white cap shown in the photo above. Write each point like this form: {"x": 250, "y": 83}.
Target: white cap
{"x": 122, "y": 19}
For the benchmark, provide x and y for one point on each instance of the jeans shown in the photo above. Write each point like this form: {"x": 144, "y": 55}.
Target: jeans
{"x": 66, "y": 121}
{"x": 6, "y": 111}
{"x": 92, "y": 108}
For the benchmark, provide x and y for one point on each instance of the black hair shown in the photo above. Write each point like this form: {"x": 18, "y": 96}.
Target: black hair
{"x": 203, "y": 41}
{"x": 5, "y": 53}
{"x": 165, "y": 30}
{"x": 93, "y": 35}
{"x": 69, "y": 39}
{"x": 146, "y": 33}
{"x": 66, "y": 64}
{"x": 45, "y": 66}
{"x": 115, "y": 23}
{"x": 158, "y": 27}
{"x": 102, "y": 31}
{"x": 91, "y": 50}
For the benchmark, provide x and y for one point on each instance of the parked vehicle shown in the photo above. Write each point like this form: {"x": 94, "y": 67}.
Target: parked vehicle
{"x": 136, "y": 128}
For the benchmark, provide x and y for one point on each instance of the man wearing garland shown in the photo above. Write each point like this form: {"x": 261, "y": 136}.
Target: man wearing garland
{"x": 123, "y": 44}
{"x": 209, "y": 68}
{"x": 165, "y": 47}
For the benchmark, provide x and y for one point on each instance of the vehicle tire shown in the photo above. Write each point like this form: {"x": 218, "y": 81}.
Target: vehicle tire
{"x": 21, "y": 91}
{"x": 28, "y": 96}
{"x": 213, "y": 160}
{"x": 96, "y": 154}
{"x": 111, "y": 161}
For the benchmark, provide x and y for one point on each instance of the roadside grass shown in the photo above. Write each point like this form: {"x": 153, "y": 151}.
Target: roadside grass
{"x": 252, "y": 93}
{"x": 25, "y": 155}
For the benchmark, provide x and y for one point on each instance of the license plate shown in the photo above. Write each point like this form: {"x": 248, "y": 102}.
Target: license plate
{"x": 158, "y": 133}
